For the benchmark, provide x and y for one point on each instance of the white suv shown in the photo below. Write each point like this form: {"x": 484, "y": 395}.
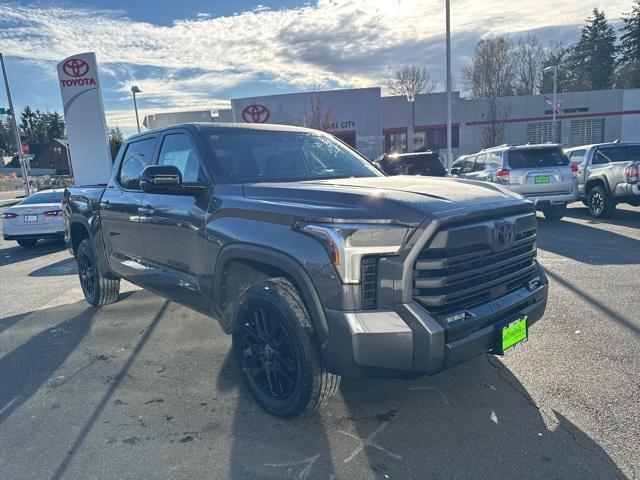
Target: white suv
{"x": 541, "y": 173}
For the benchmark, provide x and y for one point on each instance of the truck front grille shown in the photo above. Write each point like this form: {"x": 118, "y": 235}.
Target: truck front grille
{"x": 462, "y": 267}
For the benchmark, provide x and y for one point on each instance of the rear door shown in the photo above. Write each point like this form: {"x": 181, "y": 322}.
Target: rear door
{"x": 610, "y": 161}
{"x": 119, "y": 215}
{"x": 173, "y": 225}
{"x": 539, "y": 171}
{"x": 477, "y": 171}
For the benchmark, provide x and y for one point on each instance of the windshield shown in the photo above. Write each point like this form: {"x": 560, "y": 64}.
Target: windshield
{"x": 48, "y": 197}
{"x": 248, "y": 156}
{"x": 537, "y": 157}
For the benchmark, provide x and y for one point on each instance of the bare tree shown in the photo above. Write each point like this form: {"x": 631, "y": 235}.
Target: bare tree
{"x": 320, "y": 116}
{"x": 492, "y": 75}
{"x": 411, "y": 81}
{"x": 528, "y": 57}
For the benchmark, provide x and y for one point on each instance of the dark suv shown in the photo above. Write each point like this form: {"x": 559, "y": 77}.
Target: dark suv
{"x": 316, "y": 263}
{"x": 425, "y": 163}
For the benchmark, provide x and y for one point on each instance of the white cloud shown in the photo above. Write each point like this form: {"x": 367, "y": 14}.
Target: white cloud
{"x": 330, "y": 43}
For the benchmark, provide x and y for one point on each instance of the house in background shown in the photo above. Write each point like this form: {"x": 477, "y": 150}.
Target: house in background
{"x": 54, "y": 154}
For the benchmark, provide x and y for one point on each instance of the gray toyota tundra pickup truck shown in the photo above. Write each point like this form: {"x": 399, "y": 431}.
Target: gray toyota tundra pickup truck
{"x": 316, "y": 263}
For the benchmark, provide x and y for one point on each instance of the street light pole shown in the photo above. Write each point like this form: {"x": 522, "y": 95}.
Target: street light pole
{"x": 135, "y": 90}
{"x": 554, "y": 69}
{"x": 21, "y": 159}
{"x": 449, "y": 115}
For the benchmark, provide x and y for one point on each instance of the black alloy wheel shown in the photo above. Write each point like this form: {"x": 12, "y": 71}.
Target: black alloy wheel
{"x": 277, "y": 352}
{"x": 87, "y": 273}
{"x": 268, "y": 353}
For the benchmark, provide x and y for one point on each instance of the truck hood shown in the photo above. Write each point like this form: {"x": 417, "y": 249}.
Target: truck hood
{"x": 408, "y": 199}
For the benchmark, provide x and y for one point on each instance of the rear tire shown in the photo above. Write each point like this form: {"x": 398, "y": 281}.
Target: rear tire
{"x": 554, "y": 212}
{"x": 27, "y": 243}
{"x": 278, "y": 357}
{"x": 601, "y": 205}
{"x": 97, "y": 288}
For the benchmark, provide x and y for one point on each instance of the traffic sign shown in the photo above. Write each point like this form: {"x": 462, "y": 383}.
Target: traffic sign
{"x": 4, "y": 111}
{"x": 24, "y": 146}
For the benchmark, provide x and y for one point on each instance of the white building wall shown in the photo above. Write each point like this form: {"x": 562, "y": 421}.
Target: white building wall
{"x": 630, "y": 124}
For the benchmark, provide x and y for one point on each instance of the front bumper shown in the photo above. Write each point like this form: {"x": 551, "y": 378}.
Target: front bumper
{"x": 408, "y": 341}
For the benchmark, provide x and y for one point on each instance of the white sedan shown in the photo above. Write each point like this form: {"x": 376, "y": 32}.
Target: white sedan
{"x": 36, "y": 217}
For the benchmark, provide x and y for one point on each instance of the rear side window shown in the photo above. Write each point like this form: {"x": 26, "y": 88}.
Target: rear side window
{"x": 633, "y": 153}
{"x": 479, "y": 165}
{"x": 137, "y": 156}
{"x": 610, "y": 154}
{"x": 494, "y": 161}
{"x": 537, "y": 157}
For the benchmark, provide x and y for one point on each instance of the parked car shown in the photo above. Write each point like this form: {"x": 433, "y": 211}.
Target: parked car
{"x": 541, "y": 173}
{"x": 418, "y": 163}
{"x": 314, "y": 261}
{"x": 37, "y": 217}
{"x": 607, "y": 175}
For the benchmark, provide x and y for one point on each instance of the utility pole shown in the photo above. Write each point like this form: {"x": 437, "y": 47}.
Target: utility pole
{"x": 21, "y": 159}
{"x": 554, "y": 69}
{"x": 448, "y": 41}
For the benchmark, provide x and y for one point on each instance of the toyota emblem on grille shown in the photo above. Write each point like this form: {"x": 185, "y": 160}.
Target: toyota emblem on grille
{"x": 504, "y": 234}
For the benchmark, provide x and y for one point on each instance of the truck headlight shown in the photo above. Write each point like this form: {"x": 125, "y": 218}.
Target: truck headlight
{"x": 348, "y": 243}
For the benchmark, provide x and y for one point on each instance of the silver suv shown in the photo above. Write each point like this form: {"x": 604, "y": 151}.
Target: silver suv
{"x": 540, "y": 173}
{"x": 607, "y": 175}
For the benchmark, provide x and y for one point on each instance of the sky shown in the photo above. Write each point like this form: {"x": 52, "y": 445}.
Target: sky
{"x": 190, "y": 54}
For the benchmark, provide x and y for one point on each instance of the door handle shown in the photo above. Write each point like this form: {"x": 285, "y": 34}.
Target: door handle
{"x": 106, "y": 205}
{"x": 147, "y": 210}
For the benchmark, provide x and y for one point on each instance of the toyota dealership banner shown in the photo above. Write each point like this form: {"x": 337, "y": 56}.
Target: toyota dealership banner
{"x": 85, "y": 120}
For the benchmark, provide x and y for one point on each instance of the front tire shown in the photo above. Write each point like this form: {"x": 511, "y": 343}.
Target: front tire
{"x": 601, "y": 205}
{"x": 98, "y": 289}
{"x": 274, "y": 346}
{"x": 27, "y": 243}
{"x": 554, "y": 212}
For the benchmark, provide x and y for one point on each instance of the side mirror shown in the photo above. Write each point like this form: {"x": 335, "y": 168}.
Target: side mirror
{"x": 454, "y": 171}
{"x": 160, "y": 178}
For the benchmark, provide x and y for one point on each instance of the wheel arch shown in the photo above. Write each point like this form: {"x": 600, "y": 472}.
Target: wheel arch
{"x": 239, "y": 266}
{"x": 594, "y": 182}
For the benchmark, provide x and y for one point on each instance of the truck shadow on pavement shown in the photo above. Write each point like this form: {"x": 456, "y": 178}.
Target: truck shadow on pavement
{"x": 68, "y": 266}
{"x": 622, "y": 217}
{"x": 588, "y": 244}
{"x": 24, "y": 370}
{"x": 475, "y": 421}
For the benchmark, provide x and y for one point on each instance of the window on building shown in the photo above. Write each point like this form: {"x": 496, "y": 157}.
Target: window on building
{"x": 395, "y": 142}
{"x": 57, "y": 150}
{"x": 584, "y": 132}
{"x": 540, "y": 132}
{"x": 435, "y": 138}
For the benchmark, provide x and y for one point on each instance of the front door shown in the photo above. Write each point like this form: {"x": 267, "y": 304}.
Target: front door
{"x": 119, "y": 215}
{"x": 173, "y": 226}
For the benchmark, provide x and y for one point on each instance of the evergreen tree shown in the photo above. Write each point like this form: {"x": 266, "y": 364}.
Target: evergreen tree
{"x": 630, "y": 36}
{"x": 592, "y": 59}
{"x": 115, "y": 141}
{"x": 54, "y": 124}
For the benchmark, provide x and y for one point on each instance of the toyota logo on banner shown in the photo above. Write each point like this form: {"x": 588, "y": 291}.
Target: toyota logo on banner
{"x": 255, "y": 114}
{"x": 74, "y": 67}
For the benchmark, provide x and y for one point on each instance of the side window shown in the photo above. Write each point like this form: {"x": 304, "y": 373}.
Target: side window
{"x": 178, "y": 150}
{"x": 494, "y": 161}
{"x": 137, "y": 156}
{"x": 577, "y": 156}
{"x": 467, "y": 165}
{"x": 610, "y": 154}
{"x": 480, "y": 162}
{"x": 633, "y": 153}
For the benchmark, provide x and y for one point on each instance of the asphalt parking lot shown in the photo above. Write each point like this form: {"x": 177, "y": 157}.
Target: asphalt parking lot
{"x": 147, "y": 389}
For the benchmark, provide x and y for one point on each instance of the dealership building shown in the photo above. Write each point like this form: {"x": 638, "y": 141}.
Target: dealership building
{"x": 374, "y": 124}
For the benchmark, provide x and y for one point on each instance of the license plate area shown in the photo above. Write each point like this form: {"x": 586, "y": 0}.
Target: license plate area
{"x": 541, "y": 179}
{"x": 510, "y": 333}
{"x": 30, "y": 218}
